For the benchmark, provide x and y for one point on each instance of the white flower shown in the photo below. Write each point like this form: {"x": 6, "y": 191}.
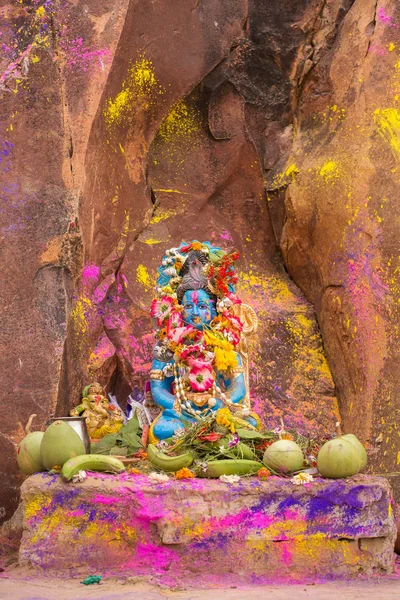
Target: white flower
{"x": 201, "y": 465}
{"x": 162, "y": 445}
{"x": 302, "y": 478}
{"x": 222, "y": 449}
{"x": 79, "y": 477}
{"x": 230, "y": 478}
{"x": 227, "y": 302}
{"x": 179, "y": 433}
{"x": 158, "y": 477}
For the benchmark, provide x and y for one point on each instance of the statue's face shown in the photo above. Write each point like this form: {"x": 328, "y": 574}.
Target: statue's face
{"x": 198, "y": 308}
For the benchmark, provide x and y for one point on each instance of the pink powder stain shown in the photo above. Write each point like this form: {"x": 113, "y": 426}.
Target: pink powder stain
{"x": 387, "y": 19}
{"x": 225, "y": 235}
{"x": 286, "y": 555}
{"x": 150, "y": 556}
{"x": 79, "y": 512}
{"x": 79, "y": 57}
{"x": 376, "y": 49}
{"x": 91, "y": 272}
{"x": 100, "y": 499}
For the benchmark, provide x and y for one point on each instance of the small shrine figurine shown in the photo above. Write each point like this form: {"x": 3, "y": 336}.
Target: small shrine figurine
{"x": 101, "y": 416}
{"x": 200, "y": 359}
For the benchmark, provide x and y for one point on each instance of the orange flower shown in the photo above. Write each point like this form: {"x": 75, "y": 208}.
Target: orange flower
{"x": 196, "y": 246}
{"x": 184, "y": 474}
{"x": 263, "y": 473}
{"x": 141, "y": 453}
{"x": 133, "y": 471}
{"x": 287, "y": 436}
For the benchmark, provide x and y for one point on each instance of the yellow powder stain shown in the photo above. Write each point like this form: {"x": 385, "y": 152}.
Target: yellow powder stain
{"x": 398, "y": 458}
{"x": 35, "y": 59}
{"x": 163, "y": 215}
{"x": 171, "y": 191}
{"x": 78, "y": 314}
{"x": 330, "y": 170}
{"x": 151, "y": 241}
{"x": 143, "y": 277}
{"x": 292, "y": 171}
{"x": 91, "y": 531}
{"x": 35, "y": 504}
{"x": 388, "y": 125}
{"x": 182, "y": 121}
{"x": 141, "y": 83}
{"x": 391, "y": 46}
{"x": 289, "y": 174}
{"x": 40, "y": 12}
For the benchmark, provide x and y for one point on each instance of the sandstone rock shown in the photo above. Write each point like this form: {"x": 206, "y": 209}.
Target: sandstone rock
{"x": 273, "y": 127}
{"x": 208, "y": 532}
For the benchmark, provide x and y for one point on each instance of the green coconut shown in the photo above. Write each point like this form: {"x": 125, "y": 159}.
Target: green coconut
{"x": 28, "y": 451}
{"x": 60, "y": 443}
{"x": 284, "y": 456}
{"x": 356, "y": 442}
{"x": 339, "y": 458}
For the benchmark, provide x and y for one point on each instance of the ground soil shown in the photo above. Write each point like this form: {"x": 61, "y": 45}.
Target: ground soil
{"x": 18, "y": 584}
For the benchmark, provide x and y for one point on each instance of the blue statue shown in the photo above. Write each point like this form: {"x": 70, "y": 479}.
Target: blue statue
{"x": 198, "y": 362}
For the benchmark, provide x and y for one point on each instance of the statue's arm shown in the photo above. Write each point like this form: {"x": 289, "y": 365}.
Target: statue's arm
{"x": 160, "y": 389}
{"x": 236, "y": 385}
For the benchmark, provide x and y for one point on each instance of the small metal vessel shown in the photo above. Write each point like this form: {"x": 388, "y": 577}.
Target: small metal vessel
{"x": 78, "y": 424}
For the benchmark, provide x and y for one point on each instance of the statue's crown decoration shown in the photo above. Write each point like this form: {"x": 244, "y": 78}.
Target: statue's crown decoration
{"x": 199, "y": 262}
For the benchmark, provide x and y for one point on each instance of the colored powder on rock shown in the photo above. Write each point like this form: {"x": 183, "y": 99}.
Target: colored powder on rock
{"x": 141, "y": 83}
{"x": 143, "y": 277}
{"x": 182, "y": 121}
{"x": 329, "y": 170}
{"x": 388, "y": 125}
{"x": 91, "y": 272}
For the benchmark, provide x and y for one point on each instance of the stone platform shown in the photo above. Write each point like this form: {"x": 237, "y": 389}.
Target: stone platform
{"x": 206, "y": 532}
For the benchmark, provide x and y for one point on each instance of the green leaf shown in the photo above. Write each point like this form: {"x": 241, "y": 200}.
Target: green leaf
{"x": 105, "y": 444}
{"x": 246, "y": 434}
{"x": 119, "y": 451}
{"x": 131, "y": 426}
{"x": 133, "y": 442}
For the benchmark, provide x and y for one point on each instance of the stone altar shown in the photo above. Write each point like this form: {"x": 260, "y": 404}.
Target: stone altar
{"x": 206, "y": 532}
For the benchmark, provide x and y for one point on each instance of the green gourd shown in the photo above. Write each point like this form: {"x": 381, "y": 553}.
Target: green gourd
{"x": 60, "y": 443}
{"x": 28, "y": 451}
{"x": 216, "y": 468}
{"x": 339, "y": 458}
{"x": 356, "y": 442}
{"x": 284, "y": 456}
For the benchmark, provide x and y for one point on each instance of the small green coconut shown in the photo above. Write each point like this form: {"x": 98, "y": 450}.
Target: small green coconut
{"x": 356, "y": 442}
{"x": 60, "y": 443}
{"x": 339, "y": 458}
{"x": 28, "y": 451}
{"x": 284, "y": 456}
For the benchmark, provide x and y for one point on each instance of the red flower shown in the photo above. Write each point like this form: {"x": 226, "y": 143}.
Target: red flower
{"x": 210, "y": 437}
{"x": 200, "y": 375}
{"x": 189, "y": 351}
{"x": 160, "y": 309}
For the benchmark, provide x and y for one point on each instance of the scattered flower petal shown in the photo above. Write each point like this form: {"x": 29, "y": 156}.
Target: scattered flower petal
{"x": 158, "y": 477}
{"x": 302, "y": 478}
{"x": 230, "y": 478}
{"x": 79, "y": 477}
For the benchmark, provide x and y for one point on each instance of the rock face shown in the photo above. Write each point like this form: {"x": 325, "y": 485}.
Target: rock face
{"x": 272, "y": 127}
{"x": 205, "y": 532}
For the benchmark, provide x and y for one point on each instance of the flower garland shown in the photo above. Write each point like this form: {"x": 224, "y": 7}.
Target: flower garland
{"x": 198, "y": 354}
